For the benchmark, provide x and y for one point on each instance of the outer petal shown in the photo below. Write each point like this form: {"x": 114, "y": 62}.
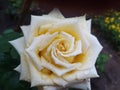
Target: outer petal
{"x": 85, "y": 41}
{"x": 84, "y": 85}
{"x": 67, "y": 26}
{"x": 38, "y": 45}
{"x": 24, "y": 74}
{"x": 24, "y": 70}
{"x": 91, "y": 55}
{"x": 18, "y": 44}
{"x": 56, "y": 13}
{"x": 80, "y": 75}
{"x": 57, "y": 70}
{"x": 18, "y": 68}
{"x": 42, "y": 41}
{"x": 37, "y": 77}
{"x": 74, "y": 28}
{"x": 82, "y": 26}
{"x": 59, "y": 81}
{"x": 37, "y": 22}
{"x": 89, "y": 25}
{"x": 26, "y": 31}
{"x": 83, "y": 23}
{"x": 52, "y": 88}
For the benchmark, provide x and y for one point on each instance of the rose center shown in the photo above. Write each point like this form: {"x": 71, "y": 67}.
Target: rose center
{"x": 63, "y": 45}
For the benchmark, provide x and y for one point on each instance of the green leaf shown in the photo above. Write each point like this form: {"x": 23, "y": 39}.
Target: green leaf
{"x": 5, "y": 37}
{"x": 4, "y": 45}
{"x": 9, "y": 80}
{"x": 14, "y": 54}
{"x": 8, "y": 31}
{"x": 101, "y": 60}
{"x": 10, "y": 35}
{"x": 9, "y": 59}
{"x": 7, "y": 62}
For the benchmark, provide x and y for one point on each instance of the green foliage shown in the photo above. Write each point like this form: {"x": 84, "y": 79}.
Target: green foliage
{"x": 9, "y": 59}
{"x": 5, "y": 37}
{"x": 101, "y": 60}
{"x": 109, "y": 23}
{"x": 9, "y": 80}
{"x": 14, "y": 7}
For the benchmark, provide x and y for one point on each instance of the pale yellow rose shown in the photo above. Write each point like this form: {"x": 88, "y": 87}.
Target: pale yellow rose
{"x": 57, "y": 52}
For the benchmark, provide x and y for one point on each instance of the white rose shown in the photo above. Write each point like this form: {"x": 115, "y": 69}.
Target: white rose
{"x": 56, "y": 51}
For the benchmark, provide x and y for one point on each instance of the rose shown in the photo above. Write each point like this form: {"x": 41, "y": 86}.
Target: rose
{"x": 57, "y": 51}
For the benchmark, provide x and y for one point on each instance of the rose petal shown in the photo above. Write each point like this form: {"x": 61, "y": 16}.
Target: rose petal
{"x": 44, "y": 28}
{"x": 42, "y": 41}
{"x": 91, "y": 55}
{"x": 37, "y": 22}
{"x": 62, "y": 62}
{"x": 52, "y": 88}
{"x": 26, "y": 31}
{"x": 67, "y": 26}
{"x": 24, "y": 74}
{"x": 84, "y": 85}
{"x": 85, "y": 42}
{"x": 59, "y": 81}
{"x": 83, "y": 23}
{"x": 38, "y": 45}
{"x": 18, "y": 68}
{"x": 37, "y": 77}
{"x": 56, "y": 13}
{"x": 35, "y": 58}
{"x": 74, "y": 28}
{"x": 71, "y": 39}
{"x": 89, "y": 25}
{"x": 58, "y": 71}
{"x": 75, "y": 52}
{"x": 19, "y": 45}
{"x": 80, "y": 75}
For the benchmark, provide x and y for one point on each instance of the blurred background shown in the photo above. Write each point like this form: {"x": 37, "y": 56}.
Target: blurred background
{"x": 105, "y": 15}
{"x": 10, "y": 9}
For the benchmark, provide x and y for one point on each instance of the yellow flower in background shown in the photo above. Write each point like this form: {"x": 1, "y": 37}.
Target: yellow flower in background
{"x": 113, "y": 26}
{"x": 112, "y": 19}
{"x": 118, "y": 18}
{"x": 118, "y": 26}
{"x": 110, "y": 22}
{"x": 119, "y": 30}
{"x": 119, "y": 35}
{"x": 117, "y": 13}
{"x": 107, "y": 20}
